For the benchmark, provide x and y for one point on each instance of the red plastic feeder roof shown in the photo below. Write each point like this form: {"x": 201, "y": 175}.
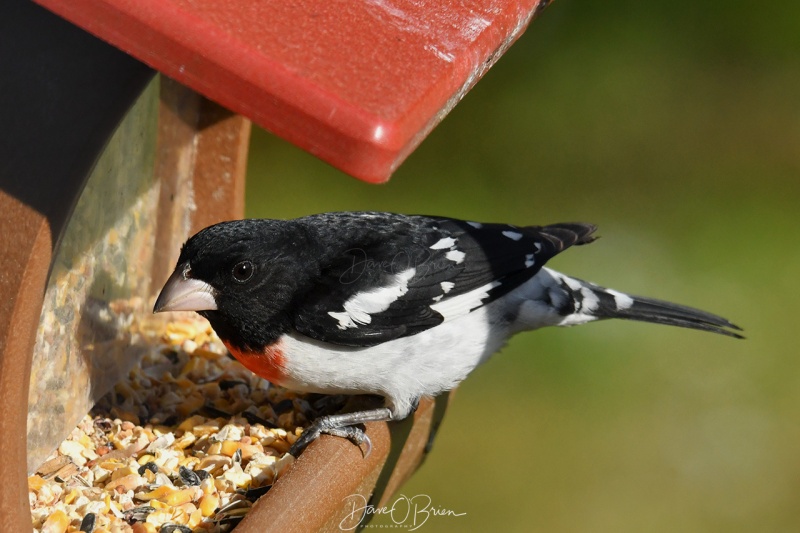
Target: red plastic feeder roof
{"x": 359, "y": 83}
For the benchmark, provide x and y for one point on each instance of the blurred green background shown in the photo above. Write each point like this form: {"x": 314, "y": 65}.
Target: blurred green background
{"x": 675, "y": 126}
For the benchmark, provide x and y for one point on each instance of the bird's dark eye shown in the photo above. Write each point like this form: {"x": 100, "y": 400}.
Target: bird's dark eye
{"x": 243, "y": 271}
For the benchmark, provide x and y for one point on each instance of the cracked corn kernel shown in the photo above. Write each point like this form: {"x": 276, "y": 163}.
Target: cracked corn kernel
{"x": 58, "y": 522}
{"x": 180, "y": 497}
{"x": 35, "y": 483}
{"x": 208, "y": 504}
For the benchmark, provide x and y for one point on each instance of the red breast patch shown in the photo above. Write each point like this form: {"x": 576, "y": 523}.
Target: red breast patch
{"x": 268, "y": 364}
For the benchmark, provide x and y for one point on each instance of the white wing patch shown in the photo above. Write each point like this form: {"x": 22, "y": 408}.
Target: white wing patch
{"x": 455, "y": 256}
{"x": 345, "y": 320}
{"x": 513, "y": 235}
{"x": 446, "y": 242}
{"x": 447, "y": 286}
{"x": 359, "y": 307}
{"x": 476, "y": 225}
{"x": 529, "y": 262}
{"x": 462, "y": 304}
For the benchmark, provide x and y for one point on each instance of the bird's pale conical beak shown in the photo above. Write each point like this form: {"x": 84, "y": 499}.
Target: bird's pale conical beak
{"x": 183, "y": 293}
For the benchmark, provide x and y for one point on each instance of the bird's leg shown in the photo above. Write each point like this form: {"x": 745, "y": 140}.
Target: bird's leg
{"x": 342, "y": 425}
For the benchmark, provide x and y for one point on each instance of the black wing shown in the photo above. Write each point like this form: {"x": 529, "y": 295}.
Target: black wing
{"x": 405, "y": 274}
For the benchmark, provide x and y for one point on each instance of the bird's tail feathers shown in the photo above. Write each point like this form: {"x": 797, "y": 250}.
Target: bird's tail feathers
{"x": 586, "y": 301}
{"x": 662, "y": 312}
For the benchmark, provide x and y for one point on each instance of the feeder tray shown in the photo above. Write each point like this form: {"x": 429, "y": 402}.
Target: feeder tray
{"x": 110, "y": 167}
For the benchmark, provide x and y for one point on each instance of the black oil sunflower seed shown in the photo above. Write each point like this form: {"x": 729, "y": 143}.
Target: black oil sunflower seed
{"x": 189, "y": 477}
{"x": 213, "y": 412}
{"x": 87, "y": 524}
{"x": 283, "y": 406}
{"x": 138, "y": 514}
{"x": 254, "y": 494}
{"x": 151, "y": 466}
{"x": 226, "y": 384}
{"x": 253, "y": 418}
{"x": 230, "y": 521}
{"x": 174, "y": 528}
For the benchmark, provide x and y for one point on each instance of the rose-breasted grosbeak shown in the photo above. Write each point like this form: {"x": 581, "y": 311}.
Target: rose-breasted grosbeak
{"x": 391, "y": 305}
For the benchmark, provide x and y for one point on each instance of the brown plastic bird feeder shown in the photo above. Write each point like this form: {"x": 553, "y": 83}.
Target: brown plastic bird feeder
{"x": 107, "y": 168}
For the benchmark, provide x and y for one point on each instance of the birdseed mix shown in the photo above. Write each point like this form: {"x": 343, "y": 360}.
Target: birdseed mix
{"x": 187, "y": 443}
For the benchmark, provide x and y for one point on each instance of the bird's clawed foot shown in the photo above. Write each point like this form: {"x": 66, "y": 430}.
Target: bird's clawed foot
{"x": 354, "y": 434}
{"x": 346, "y": 425}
